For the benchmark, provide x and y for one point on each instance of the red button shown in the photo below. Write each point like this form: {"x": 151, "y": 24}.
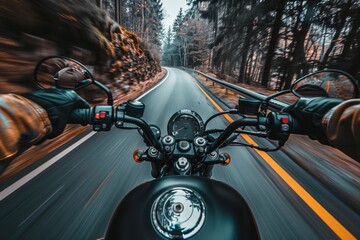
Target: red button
{"x": 103, "y": 115}
{"x": 284, "y": 120}
{"x": 97, "y": 116}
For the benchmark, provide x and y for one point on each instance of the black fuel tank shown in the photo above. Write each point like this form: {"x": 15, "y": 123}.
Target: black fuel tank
{"x": 226, "y": 214}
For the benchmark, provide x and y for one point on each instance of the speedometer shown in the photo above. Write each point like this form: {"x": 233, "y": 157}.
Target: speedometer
{"x": 185, "y": 125}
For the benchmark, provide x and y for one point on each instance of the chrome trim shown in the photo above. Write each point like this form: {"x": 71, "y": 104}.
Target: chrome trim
{"x": 178, "y": 213}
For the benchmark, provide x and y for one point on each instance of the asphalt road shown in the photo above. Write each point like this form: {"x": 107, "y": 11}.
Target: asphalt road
{"x": 75, "y": 197}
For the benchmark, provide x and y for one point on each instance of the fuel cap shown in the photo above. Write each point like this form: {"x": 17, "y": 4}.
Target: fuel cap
{"x": 178, "y": 213}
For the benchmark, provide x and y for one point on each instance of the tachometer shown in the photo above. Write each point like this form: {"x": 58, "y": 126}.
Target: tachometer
{"x": 185, "y": 125}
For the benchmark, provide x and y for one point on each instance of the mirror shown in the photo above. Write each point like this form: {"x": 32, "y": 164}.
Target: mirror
{"x": 327, "y": 83}
{"x": 311, "y": 90}
{"x": 62, "y": 72}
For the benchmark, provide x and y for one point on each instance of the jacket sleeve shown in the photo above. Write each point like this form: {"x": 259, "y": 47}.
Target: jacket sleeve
{"x": 22, "y": 123}
{"x": 342, "y": 127}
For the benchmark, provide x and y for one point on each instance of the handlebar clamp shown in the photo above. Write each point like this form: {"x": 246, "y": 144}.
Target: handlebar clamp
{"x": 120, "y": 115}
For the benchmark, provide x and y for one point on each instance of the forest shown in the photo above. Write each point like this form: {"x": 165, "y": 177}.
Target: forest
{"x": 143, "y": 17}
{"x": 265, "y": 42}
{"x": 259, "y": 42}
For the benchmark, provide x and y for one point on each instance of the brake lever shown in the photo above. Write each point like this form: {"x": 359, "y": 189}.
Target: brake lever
{"x": 256, "y": 147}
{"x": 230, "y": 130}
{"x": 229, "y": 140}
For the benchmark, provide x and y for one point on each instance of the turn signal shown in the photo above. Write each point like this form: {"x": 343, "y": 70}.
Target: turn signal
{"x": 227, "y": 159}
{"x": 137, "y": 154}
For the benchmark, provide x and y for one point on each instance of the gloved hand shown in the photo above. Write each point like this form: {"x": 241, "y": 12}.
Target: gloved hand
{"x": 59, "y": 104}
{"x": 309, "y": 113}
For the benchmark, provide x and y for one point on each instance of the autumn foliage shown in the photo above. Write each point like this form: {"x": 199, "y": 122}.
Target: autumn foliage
{"x": 31, "y": 30}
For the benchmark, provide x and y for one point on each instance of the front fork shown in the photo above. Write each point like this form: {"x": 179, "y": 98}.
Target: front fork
{"x": 207, "y": 171}
{"x": 156, "y": 169}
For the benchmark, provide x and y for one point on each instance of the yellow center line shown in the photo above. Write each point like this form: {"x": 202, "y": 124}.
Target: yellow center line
{"x": 328, "y": 219}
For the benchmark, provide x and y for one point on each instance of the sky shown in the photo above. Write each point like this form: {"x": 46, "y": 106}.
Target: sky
{"x": 171, "y": 9}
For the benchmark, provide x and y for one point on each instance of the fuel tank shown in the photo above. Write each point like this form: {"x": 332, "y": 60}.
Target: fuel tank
{"x": 182, "y": 207}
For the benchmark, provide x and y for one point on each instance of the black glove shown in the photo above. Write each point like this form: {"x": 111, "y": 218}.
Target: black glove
{"x": 309, "y": 113}
{"x": 59, "y": 104}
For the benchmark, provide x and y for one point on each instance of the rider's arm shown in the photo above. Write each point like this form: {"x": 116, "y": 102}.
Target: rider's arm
{"x": 33, "y": 117}
{"x": 342, "y": 127}
{"x": 22, "y": 123}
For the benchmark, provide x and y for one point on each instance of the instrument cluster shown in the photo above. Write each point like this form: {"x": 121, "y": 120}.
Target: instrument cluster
{"x": 185, "y": 125}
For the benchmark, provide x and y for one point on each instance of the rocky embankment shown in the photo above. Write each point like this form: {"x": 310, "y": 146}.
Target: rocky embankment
{"x": 32, "y": 30}
{"x": 77, "y": 29}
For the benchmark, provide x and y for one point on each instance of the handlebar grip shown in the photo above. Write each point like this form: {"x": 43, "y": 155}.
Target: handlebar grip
{"x": 296, "y": 126}
{"x": 80, "y": 116}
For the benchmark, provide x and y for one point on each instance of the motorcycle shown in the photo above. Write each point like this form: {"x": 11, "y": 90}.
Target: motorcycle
{"x": 183, "y": 201}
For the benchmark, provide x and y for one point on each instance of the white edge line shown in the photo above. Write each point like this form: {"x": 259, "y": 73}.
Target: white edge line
{"x": 22, "y": 181}
{"x": 156, "y": 86}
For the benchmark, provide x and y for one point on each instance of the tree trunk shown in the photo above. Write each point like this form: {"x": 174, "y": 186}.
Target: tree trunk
{"x": 354, "y": 68}
{"x": 323, "y": 41}
{"x": 142, "y": 28}
{"x": 349, "y": 40}
{"x": 335, "y": 38}
{"x": 299, "y": 60}
{"x": 273, "y": 43}
{"x": 245, "y": 50}
{"x": 249, "y": 69}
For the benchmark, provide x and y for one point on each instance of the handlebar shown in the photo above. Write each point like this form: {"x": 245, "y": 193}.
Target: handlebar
{"x": 279, "y": 124}
{"x": 148, "y": 134}
{"x": 230, "y": 129}
{"x": 102, "y": 118}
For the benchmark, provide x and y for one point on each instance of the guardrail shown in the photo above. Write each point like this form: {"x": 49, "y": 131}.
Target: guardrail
{"x": 274, "y": 104}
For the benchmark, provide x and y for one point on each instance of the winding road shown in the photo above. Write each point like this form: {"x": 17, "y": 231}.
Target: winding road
{"x": 74, "y": 197}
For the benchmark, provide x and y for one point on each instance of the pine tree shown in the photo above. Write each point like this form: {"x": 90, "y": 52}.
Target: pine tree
{"x": 167, "y": 49}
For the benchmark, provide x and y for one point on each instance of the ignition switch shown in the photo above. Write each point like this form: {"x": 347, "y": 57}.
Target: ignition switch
{"x": 184, "y": 146}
